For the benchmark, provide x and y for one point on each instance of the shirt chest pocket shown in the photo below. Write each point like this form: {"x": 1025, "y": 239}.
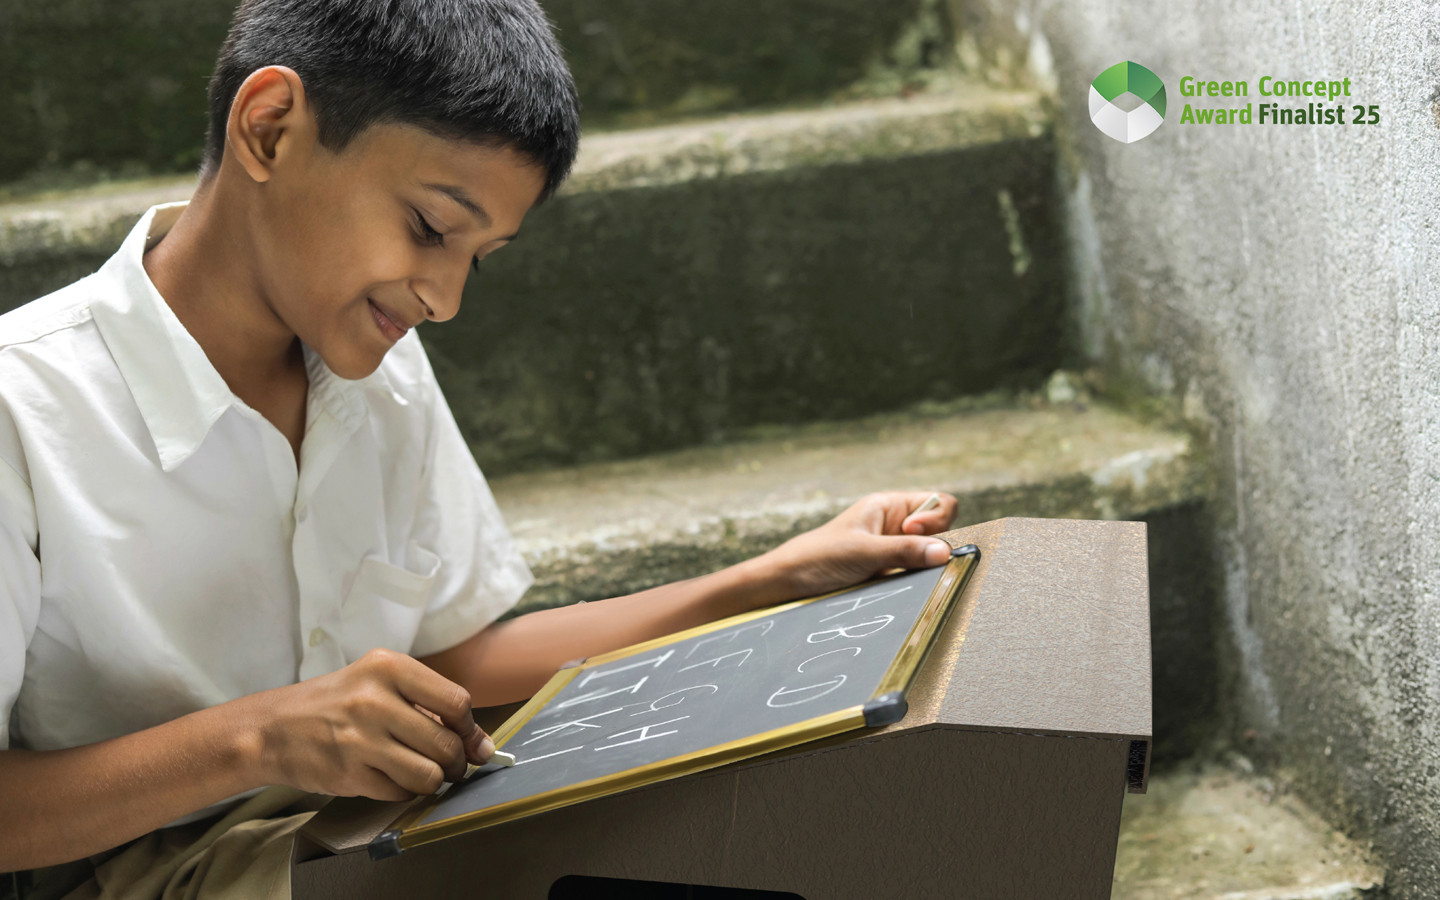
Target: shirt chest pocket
{"x": 386, "y": 602}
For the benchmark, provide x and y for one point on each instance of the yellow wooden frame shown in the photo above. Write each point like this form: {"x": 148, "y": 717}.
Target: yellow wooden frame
{"x": 897, "y": 678}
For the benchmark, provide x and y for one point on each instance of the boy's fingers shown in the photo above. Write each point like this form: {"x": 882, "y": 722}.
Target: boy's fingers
{"x": 422, "y": 685}
{"x": 432, "y": 739}
{"x": 477, "y": 749}
{"x": 408, "y": 769}
{"x": 376, "y": 785}
{"x": 930, "y": 521}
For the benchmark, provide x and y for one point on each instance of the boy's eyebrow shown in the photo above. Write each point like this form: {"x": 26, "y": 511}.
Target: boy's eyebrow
{"x": 457, "y": 193}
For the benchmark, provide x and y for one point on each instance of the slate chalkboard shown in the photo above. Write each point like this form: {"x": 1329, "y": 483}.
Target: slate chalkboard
{"x": 702, "y": 698}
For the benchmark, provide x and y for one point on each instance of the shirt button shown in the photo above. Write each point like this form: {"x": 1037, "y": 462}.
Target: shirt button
{"x": 302, "y": 513}
{"x": 318, "y": 637}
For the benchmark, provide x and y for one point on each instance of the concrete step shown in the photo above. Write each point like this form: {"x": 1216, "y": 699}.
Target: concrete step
{"x": 698, "y": 279}
{"x": 52, "y": 239}
{"x": 605, "y": 529}
{"x": 81, "y": 82}
{"x": 1220, "y": 832}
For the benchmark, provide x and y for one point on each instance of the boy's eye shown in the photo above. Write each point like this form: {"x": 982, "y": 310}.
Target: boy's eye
{"x": 429, "y": 235}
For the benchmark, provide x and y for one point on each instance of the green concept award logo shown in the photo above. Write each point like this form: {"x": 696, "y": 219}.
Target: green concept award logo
{"x": 1127, "y": 102}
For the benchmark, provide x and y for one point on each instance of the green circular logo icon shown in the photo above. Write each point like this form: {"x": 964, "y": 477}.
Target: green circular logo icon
{"x": 1127, "y": 102}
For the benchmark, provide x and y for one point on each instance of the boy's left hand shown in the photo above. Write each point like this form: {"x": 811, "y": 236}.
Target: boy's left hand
{"x": 876, "y": 533}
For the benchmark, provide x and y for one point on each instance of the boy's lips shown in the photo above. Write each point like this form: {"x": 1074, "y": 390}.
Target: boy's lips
{"x": 390, "y": 324}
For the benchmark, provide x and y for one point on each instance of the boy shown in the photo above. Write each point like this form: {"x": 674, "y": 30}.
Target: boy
{"x": 242, "y": 542}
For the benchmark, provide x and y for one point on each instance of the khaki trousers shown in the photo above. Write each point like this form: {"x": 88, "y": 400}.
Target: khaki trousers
{"x": 244, "y": 854}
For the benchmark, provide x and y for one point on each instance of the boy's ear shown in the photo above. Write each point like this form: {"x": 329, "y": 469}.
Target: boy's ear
{"x": 269, "y": 120}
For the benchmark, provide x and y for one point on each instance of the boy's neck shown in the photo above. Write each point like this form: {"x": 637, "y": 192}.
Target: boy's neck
{"x": 204, "y": 271}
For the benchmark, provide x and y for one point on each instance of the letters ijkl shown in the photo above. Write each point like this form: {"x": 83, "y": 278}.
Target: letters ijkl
{"x": 600, "y": 718}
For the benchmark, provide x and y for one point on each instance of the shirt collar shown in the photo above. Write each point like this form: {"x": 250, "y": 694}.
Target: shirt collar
{"x": 177, "y": 389}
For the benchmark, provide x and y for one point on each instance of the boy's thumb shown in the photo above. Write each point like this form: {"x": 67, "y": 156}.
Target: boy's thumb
{"x": 917, "y": 552}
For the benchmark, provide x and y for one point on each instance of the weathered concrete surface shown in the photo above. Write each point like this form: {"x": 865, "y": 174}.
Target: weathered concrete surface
{"x": 111, "y": 86}
{"x": 635, "y": 320}
{"x": 1277, "y": 287}
{"x": 699, "y": 279}
{"x": 635, "y": 60}
{"x": 965, "y": 115}
{"x": 1215, "y": 832}
{"x": 121, "y": 86}
{"x": 91, "y": 221}
{"x": 605, "y": 529}
{"x": 1187, "y": 628}
{"x": 58, "y": 237}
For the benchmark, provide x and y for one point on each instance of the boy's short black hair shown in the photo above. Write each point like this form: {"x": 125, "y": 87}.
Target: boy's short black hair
{"x": 488, "y": 71}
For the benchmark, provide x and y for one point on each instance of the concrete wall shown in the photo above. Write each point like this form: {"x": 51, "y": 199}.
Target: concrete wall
{"x": 1275, "y": 288}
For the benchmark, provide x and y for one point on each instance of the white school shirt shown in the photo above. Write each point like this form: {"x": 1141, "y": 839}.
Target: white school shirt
{"x": 159, "y": 552}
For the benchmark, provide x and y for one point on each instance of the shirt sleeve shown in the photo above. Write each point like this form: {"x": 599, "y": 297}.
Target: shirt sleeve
{"x": 482, "y": 573}
{"x": 19, "y": 587}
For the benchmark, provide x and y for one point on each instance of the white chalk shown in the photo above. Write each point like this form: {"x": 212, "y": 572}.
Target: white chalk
{"x": 931, "y": 502}
{"x": 499, "y": 758}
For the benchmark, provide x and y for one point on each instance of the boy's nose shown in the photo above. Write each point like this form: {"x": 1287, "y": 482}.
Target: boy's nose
{"x": 440, "y": 295}
{"x": 440, "y": 310}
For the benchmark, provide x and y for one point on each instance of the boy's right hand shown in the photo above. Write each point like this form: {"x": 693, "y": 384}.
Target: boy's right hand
{"x": 366, "y": 730}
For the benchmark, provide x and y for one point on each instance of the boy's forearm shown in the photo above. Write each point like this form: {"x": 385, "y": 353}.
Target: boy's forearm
{"x": 511, "y": 660}
{"x": 62, "y": 805}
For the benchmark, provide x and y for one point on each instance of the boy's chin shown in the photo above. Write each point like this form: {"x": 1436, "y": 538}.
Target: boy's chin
{"x": 355, "y": 360}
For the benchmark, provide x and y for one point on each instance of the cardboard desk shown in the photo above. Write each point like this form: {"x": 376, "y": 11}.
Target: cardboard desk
{"x": 1028, "y": 722}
